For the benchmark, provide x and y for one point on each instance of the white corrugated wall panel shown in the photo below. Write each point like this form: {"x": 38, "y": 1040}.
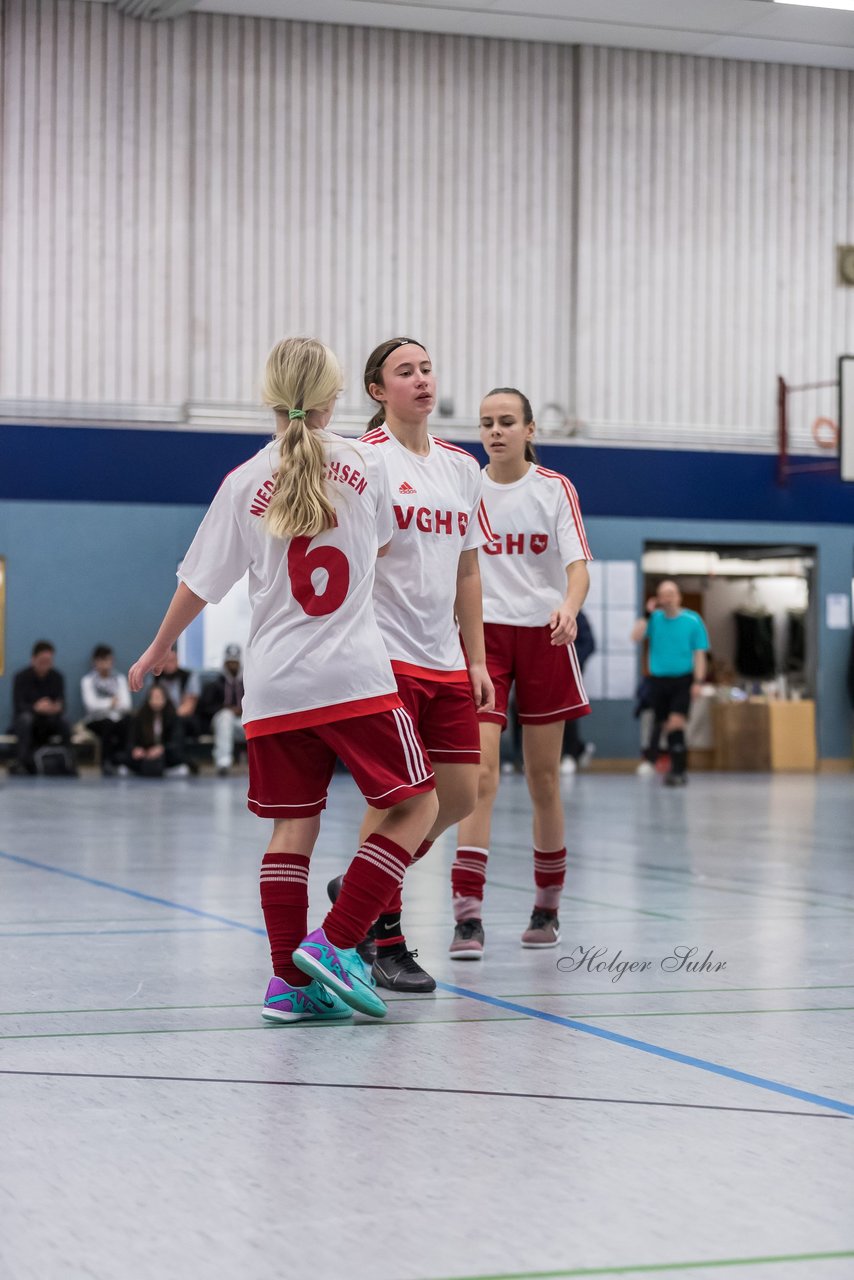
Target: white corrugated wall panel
{"x": 176, "y": 195}
{"x": 711, "y": 197}
{"x": 95, "y": 193}
{"x": 356, "y": 184}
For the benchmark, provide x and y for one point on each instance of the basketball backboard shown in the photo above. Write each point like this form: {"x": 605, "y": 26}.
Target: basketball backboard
{"x": 846, "y": 417}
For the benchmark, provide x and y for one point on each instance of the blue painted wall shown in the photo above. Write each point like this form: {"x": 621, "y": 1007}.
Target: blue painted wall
{"x": 81, "y": 575}
{"x": 93, "y": 522}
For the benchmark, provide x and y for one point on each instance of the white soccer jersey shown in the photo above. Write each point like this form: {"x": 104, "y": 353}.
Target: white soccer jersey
{"x": 315, "y": 652}
{"x": 438, "y": 514}
{"x": 538, "y": 532}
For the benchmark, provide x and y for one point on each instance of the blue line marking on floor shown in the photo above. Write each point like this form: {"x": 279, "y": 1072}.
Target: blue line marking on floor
{"x": 132, "y": 893}
{"x": 729, "y": 1072}
{"x": 759, "y": 1082}
{"x": 109, "y": 933}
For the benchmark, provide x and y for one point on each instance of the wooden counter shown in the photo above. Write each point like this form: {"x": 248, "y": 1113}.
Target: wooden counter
{"x": 761, "y": 736}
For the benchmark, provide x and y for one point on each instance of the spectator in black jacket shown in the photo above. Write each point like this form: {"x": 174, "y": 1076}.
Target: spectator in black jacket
{"x": 220, "y": 708}
{"x": 38, "y": 701}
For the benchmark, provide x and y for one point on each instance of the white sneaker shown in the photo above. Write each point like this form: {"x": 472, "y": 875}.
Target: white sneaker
{"x": 645, "y": 769}
{"x": 178, "y": 771}
{"x": 568, "y": 765}
{"x": 587, "y": 755}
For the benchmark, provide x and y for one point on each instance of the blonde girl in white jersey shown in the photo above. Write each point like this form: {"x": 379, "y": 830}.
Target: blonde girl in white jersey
{"x": 318, "y": 683}
{"x": 535, "y": 580}
{"x": 427, "y": 597}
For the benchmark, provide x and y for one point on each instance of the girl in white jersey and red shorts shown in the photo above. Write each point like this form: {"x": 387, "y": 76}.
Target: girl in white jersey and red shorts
{"x": 318, "y": 683}
{"x": 535, "y": 581}
{"x": 427, "y": 595}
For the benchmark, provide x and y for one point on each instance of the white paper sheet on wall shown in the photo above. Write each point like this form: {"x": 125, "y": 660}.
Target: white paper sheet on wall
{"x": 837, "y": 612}
{"x": 620, "y": 675}
{"x": 611, "y": 608}
{"x": 595, "y": 595}
{"x": 594, "y": 677}
{"x": 596, "y": 617}
{"x": 621, "y": 583}
{"x": 619, "y": 639}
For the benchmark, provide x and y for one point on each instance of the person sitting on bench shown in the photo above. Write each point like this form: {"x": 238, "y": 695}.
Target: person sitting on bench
{"x": 38, "y": 701}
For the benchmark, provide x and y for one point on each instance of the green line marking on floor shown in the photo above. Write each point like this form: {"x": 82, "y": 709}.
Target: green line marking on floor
{"x": 658, "y": 1268}
{"x": 140, "y": 1008}
{"x": 395, "y": 999}
{"x": 412, "y": 1022}
{"x": 668, "y": 991}
{"x": 710, "y": 1013}
{"x": 183, "y": 1031}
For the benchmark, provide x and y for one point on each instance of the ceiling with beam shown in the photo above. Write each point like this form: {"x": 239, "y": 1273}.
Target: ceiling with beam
{"x": 757, "y": 30}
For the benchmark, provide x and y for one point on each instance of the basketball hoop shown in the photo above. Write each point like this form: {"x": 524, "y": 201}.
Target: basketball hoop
{"x": 825, "y": 432}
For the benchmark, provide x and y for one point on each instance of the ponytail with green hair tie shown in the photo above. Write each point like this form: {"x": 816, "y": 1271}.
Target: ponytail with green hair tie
{"x": 295, "y": 413}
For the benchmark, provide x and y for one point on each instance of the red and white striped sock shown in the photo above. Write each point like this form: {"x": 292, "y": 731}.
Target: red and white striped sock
{"x": 468, "y": 877}
{"x": 284, "y": 901}
{"x": 395, "y": 902}
{"x": 549, "y": 875}
{"x": 374, "y": 874}
{"x": 388, "y": 929}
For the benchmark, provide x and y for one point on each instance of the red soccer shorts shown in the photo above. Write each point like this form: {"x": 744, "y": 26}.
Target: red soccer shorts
{"x": 547, "y": 676}
{"x": 445, "y": 715}
{"x": 290, "y": 772}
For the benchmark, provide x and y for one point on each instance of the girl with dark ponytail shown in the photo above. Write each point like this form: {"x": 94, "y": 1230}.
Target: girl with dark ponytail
{"x": 427, "y": 597}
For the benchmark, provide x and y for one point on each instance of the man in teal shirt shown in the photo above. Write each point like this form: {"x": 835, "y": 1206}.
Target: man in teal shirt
{"x": 678, "y": 644}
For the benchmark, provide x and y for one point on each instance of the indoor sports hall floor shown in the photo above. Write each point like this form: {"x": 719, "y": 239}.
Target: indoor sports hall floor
{"x": 526, "y": 1121}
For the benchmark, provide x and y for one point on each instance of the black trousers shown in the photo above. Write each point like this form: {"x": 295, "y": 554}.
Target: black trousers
{"x": 114, "y": 738}
{"x": 34, "y": 730}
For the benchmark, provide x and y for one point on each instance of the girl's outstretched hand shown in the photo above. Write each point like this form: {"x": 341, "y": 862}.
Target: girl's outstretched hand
{"x": 152, "y": 660}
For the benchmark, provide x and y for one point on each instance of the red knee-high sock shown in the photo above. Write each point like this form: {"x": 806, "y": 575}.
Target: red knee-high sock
{"x": 395, "y": 902}
{"x": 284, "y": 900}
{"x": 549, "y": 875}
{"x": 389, "y": 930}
{"x": 468, "y": 877}
{"x": 375, "y": 872}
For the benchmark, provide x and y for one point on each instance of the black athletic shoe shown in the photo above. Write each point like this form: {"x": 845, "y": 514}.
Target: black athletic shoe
{"x": 367, "y": 948}
{"x": 675, "y": 780}
{"x": 396, "y": 968}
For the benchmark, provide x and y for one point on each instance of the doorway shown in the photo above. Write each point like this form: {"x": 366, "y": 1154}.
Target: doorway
{"x": 759, "y": 604}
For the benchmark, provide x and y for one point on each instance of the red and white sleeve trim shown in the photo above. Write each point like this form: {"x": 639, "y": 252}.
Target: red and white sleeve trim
{"x": 574, "y": 506}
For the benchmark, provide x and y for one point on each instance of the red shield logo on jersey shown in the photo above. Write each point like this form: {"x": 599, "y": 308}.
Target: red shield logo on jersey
{"x": 539, "y": 542}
